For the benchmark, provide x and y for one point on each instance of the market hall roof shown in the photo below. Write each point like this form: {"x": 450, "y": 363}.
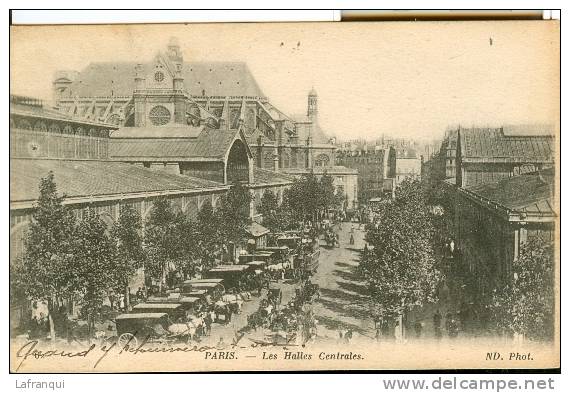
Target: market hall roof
{"x": 84, "y": 179}
{"x": 493, "y": 145}
{"x": 181, "y": 143}
{"x": 105, "y": 79}
{"x": 530, "y": 193}
{"x": 264, "y": 176}
{"x": 320, "y": 170}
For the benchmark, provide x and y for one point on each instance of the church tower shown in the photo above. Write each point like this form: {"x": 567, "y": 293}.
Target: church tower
{"x": 312, "y": 108}
{"x": 159, "y": 90}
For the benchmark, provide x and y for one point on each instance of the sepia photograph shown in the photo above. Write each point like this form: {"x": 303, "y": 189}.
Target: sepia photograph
{"x": 325, "y": 196}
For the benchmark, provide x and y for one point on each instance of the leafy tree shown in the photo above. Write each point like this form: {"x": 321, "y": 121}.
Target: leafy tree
{"x": 288, "y": 217}
{"x": 400, "y": 268}
{"x": 188, "y": 244}
{"x": 92, "y": 271}
{"x": 327, "y": 198}
{"x": 48, "y": 249}
{"x": 526, "y": 304}
{"x": 234, "y": 213}
{"x": 269, "y": 203}
{"x": 208, "y": 235}
{"x": 127, "y": 234}
{"x": 272, "y": 215}
{"x": 161, "y": 240}
{"x": 305, "y": 196}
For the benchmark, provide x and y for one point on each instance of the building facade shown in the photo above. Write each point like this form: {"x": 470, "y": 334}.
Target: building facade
{"x": 375, "y": 167}
{"x": 490, "y": 154}
{"x": 495, "y": 219}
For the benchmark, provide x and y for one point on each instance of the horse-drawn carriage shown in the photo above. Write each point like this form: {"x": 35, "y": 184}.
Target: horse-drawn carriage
{"x": 192, "y": 305}
{"x": 331, "y": 238}
{"x": 280, "y": 254}
{"x": 234, "y": 276}
{"x": 175, "y": 311}
{"x": 290, "y": 240}
{"x": 214, "y": 287}
{"x": 152, "y": 328}
{"x": 274, "y": 295}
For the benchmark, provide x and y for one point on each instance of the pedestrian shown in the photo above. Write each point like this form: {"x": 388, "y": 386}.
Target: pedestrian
{"x": 34, "y": 332}
{"x": 208, "y": 323}
{"x": 398, "y": 332}
{"x": 340, "y": 338}
{"x": 351, "y": 239}
{"x": 437, "y": 324}
{"x": 450, "y": 325}
{"x": 462, "y": 314}
{"x": 418, "y": 329}
{"x": 348, "y": 336}
{"x": 112, "y": 299}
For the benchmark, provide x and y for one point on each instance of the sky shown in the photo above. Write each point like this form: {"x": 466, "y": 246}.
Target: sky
{"x": 403, "y": 79}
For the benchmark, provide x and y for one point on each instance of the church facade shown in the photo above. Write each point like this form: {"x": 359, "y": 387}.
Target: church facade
{"x": 198, "y": 118}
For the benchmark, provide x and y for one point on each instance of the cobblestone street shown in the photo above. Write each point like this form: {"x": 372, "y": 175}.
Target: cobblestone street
{"x": 343, "y": 302}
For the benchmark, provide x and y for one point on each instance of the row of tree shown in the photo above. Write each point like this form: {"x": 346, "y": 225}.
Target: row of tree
{"x": 81, "y": 259}
{"x": 307, "y": 200}
{"x": 400, "y": 268}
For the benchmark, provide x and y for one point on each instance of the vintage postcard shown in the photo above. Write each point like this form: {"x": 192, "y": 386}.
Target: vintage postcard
{"x": 288, "y": 196}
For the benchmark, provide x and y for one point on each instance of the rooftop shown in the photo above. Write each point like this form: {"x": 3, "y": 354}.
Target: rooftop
{"x": 95, "y": 178}
{"x": 184, "y": 143}
{"x": 33, "y": 107}
{"x": 492, "y": 145}
{"x": 164, "y": 132}
{"x": 319, "y": 170}
{"x": 256, "y": 230}
{"x": 530, "y": 193}
{"x": 265, "y": 176}
{"x": 103, "y": 79}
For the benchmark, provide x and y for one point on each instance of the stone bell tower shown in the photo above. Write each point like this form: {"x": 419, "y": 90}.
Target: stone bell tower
{"x": 312, "y": 106}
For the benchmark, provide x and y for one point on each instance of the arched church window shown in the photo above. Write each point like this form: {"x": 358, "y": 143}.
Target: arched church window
{"x": 114, "y": 119}
{"x": 234, "y": 118}
{"x": 250, "y": 119}
{"x": 286, "y": 160}
{"x": 322, "y": 160}
{"x": 159, "y": 115}
{"x": 268, "y": 160}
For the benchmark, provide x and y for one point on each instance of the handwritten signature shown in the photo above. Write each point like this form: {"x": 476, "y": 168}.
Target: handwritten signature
{"x": 31, "y": 350}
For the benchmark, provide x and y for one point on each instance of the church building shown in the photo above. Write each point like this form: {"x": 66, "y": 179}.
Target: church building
{"x": 209, "y": 120}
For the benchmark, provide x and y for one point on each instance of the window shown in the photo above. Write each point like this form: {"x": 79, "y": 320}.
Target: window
{"x": 159, "y": 115}
{"x": 159, "y": 76}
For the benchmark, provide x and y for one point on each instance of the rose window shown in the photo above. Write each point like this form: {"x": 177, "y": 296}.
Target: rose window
{"x": 159, "y": 115}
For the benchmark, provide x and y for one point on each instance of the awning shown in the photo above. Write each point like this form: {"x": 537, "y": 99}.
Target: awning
{"x": 256, "y": 230}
